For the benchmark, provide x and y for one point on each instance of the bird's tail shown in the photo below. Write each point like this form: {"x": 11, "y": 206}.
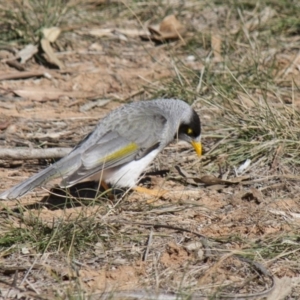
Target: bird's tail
{"x": 59, "y": 169}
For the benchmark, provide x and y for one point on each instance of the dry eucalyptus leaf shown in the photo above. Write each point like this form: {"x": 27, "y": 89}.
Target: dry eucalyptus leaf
{"x": 169, "y": 29}
{"x": 39, "y": 94}
{"x": 50, "y": 55}
{"x": 51, "y": 34}
{"x": 171, "y": 25}
{"x": 27, "y": 52}
{"x": 283, "y": 288}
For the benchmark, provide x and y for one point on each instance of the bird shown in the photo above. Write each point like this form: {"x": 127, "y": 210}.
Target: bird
{"x": 121, "y": 146}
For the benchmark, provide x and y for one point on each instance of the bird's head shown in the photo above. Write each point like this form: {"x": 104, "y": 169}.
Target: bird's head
{"x": 189, "y": 130}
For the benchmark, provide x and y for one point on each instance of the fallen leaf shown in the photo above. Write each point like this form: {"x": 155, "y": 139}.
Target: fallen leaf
{"x": 27, "y": 52}
{"x": 50, "y": 55}
{"x": 51, "y": 34}
{"x": 171, "y": 25}
{"x": 283, "y": 287}
{"x": 169, "y": 29}
{"x": 38, "y": 94}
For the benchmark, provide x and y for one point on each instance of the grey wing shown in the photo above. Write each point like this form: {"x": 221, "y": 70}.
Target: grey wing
{"x": 130, "y": 141}
{"x": 104, "y": 148}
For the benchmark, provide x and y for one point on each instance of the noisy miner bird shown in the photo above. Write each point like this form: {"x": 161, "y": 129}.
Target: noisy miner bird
{"x": 121, "y": 146}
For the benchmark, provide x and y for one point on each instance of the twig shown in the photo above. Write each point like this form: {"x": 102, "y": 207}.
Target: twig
{"x": 21, "y": 75}
{"x": 25, "y": 153}
{"x": 148, "y": 245}
{"x": 15, "y": 64}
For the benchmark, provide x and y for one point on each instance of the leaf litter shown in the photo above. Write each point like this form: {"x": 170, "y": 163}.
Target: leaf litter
{"x": 94, "y": 246}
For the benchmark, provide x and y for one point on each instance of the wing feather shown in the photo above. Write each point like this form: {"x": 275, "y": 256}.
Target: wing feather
{"x": 117, "y": 147}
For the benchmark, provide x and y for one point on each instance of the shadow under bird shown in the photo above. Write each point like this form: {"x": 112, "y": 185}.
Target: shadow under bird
{"x": 121, "y": 146}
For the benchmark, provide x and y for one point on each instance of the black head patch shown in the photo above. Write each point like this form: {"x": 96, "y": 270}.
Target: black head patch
{"x": 195, "y": 124}
{"x": 191, "y": 128}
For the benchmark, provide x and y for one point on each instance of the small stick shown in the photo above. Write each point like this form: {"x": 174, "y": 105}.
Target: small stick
{"x": 149, "y": 242}
{"x": 25, "y": 153}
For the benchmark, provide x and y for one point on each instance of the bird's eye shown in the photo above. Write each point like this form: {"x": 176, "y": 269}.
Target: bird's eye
{"x": 189, "y": 131}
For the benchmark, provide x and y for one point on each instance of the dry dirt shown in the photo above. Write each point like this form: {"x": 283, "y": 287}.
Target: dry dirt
{"x": 133, "y": 257}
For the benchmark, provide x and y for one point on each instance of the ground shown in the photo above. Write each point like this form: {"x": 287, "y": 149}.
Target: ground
{"x": 224, "y": 229}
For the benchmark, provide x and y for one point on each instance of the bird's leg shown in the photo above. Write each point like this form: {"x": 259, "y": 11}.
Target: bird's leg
{"x": 104, "y": 185}
{"x": 107, "y": 189}
{"x": 155, "y": 193}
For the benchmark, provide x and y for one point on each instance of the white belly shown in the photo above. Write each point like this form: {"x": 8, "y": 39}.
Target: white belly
{"x": 128, "y": 174}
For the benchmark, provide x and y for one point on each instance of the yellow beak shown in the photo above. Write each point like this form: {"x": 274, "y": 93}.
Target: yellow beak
{"x": 198, "y": 147}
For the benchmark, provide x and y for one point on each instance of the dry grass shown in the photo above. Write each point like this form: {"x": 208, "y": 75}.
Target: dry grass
{"x": 239, "y": 65}
{"x": 23, "y": 21}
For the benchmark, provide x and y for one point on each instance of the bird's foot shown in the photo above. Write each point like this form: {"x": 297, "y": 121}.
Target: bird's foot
{"x": 154, "y": 193}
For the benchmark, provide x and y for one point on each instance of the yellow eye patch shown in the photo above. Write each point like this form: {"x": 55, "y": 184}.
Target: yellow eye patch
{"x": 189, "y": 131}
